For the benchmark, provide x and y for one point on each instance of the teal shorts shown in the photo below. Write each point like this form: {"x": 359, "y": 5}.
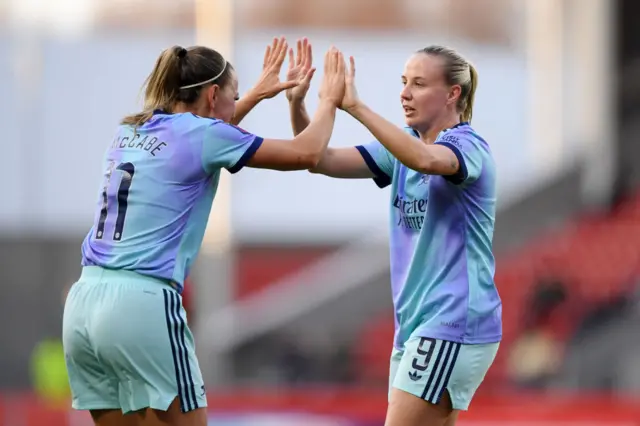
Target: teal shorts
{"x": 127, "y": 344}
{"x": 426, "y": 367}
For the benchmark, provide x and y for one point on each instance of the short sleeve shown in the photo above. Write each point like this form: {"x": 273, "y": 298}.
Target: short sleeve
{"x": 469, "y": 154}
{"x": 228, "y": 146}
{"x": 380, "y": 162}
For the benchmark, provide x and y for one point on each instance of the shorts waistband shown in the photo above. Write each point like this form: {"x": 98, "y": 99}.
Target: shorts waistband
{"x": 100, "y": 273}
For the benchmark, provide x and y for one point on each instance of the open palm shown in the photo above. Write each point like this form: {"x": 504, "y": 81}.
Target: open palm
{"x": 269, "y": 84}
{"x": 351, "y": 98}
{"x": 300, "y": 67}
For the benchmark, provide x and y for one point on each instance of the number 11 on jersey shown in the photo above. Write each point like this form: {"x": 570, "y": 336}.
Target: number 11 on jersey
{"x": 120, "y": 199}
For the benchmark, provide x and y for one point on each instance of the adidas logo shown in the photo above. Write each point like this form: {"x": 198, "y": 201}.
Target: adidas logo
{"x": 415, "y": 376}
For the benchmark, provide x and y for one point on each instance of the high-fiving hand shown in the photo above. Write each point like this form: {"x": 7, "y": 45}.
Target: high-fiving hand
{"x": 269, "y": 84}
{"x": 332, "y": 87}
{"x": 351, "y": 99}
{"x": 300, "y": 70}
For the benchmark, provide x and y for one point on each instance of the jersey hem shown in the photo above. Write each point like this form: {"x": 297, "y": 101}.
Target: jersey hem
{"x": 482, "y": 340}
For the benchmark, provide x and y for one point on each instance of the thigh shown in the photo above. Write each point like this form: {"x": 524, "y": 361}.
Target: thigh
{"x": 406, "y": 409}
{"x": 149, "y": 347}
{"x": 113, "y": 418}
{"x": 173, "y": 416}
{"x": 92, "y": 385}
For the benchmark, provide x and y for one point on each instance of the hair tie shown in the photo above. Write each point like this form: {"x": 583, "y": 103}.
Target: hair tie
{"x": 182, "y": 53}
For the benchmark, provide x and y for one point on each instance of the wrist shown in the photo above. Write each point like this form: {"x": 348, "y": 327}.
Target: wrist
{"x": 355, "y": 110}
{"x": 254, "y": 95}
{"x": 326, "y": 103}
{"x": 295, "y": 102}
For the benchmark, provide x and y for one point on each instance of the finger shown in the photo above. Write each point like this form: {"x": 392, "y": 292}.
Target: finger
{"x": 298, "y": 52}
{"x": 282, "y": 52}
{"x": 352, "y": 66}
{"x": 267, "y": 55}
{"x": 273, "y": 49}
{"x": 303, "y": 52}
{"x": 288, "y": 85}
{"x": 309, "y": 55}
{"x": 327, "y": 60}
{"x": 308, "y": 76}
{"x": 334, "y": 64}
{"x": 291, "y": 60}
{"x": 334, "y": 59}
{"x": 341, "y": 63}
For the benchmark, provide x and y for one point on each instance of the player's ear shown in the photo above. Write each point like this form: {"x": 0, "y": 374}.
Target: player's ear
{"x": 212, "y": 94}
{"x": 454, "y": 94}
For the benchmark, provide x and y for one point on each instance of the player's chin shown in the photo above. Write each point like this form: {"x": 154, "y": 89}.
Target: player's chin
{"x": 412, "y": 120}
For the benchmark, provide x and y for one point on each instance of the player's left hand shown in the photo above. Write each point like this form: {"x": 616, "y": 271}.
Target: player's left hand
{"x": 351, "y": 99}
{"x": 269, "y": 84}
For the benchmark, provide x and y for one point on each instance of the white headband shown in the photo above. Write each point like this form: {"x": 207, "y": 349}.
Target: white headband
{"x": 224, "y": 67}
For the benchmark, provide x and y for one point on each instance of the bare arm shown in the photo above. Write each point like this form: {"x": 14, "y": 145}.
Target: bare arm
{"x": 299, "y": 116}
{"x": 244, "y": 106}
{"x": 410, "y": 151}
{"x": 345, "y": 163}
{"x": 305, "y": 150}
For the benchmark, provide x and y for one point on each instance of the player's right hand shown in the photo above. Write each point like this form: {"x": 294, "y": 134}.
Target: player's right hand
{"x": 333, "y": 81}
{"x": 300, "y": 69}
{"x": 351, "y": 99}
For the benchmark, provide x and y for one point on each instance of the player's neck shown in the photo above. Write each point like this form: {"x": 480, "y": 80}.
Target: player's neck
{"x": 430, "y": 135}
{"x": 195, "y": 108}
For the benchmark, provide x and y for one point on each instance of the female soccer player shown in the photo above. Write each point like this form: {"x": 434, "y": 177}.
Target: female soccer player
{"x": 127, "y": 344}
{"x": 443, "y": 200}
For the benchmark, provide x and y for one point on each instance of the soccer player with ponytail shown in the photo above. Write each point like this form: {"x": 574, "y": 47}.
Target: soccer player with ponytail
{"x": 448, "y": 314}
{"x": 129, "y": 351}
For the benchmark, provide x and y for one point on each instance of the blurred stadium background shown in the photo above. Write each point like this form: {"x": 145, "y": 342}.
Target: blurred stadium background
{"x": 290, "y": 299}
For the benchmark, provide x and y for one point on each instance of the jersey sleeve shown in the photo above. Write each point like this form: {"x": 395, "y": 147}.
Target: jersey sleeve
{"x": 469, "y": 155}
{"x": 380, "y": 162}
{"x": 228, "y": 146}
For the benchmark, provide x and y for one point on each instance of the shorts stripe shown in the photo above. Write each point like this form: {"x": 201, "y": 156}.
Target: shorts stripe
{"x": 183, "y": 344}
{"x": 175, "y": 328}
{"x": 452, "y": 364}
{"x": 441, "y": 371}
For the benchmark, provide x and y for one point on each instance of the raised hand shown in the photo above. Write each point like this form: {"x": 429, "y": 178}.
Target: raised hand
{"x": 351, "y": 98}
{"x": 333, "y": 80}
{"x": 300, "y": 69}
{"x": 269, "y": 84}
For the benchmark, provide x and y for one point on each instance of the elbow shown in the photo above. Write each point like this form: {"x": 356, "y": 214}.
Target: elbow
{"x": 310, "y": 161}
{"x": 425, "y": 166}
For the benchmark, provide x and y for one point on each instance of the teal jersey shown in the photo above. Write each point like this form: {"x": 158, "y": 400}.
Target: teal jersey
{"x": 159, "y": 183}
{"x": 442, "y": 264}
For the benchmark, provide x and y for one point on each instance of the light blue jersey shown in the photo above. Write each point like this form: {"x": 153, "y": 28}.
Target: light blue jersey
{"x": 158, "y": 188}
{"x": 442, "y": 265}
